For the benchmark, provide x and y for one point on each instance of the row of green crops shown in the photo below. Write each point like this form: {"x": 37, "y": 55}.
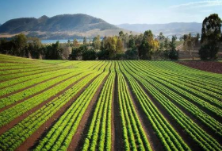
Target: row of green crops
{"x": 198, "y": 135}
{"x": 35, "y": 90}
{"x": 17, "y": 110}
{"x": 133, "y": 134}
{"x": 198, "y": 113}
{"x": 32, "y": 82}
{"x": 187, "y": 91}
{"x": 99, "y": 134}
{"x": 60, "y": 135}
{"x": 20, "y": 132}
{"x": 168, "y": 136}
{"x": 24, "y": 79}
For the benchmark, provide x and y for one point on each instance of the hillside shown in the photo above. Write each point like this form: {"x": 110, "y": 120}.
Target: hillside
{"x": 167, "y": 29}
{"x": 62, "y": 26}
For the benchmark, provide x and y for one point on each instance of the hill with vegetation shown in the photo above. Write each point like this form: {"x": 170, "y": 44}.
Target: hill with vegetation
{"x": 60, "y": 26}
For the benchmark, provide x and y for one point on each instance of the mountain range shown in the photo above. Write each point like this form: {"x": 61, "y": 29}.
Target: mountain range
{"x": 69, "y": 26}
{"x": 177, "y": 28}
{"x": 60, "y": 26}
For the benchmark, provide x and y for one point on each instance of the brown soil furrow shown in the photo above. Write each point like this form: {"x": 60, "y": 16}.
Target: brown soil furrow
{"x": 118, "y": 144}
{"x": 83, "y": 127}
{"x": 152, "y": 137}
{"x": 17, "y": 91}
{"x": 208, "y": 66}
{"x": 31, "y": 142}
{"x": 26, "y": 114}
{"x": 112, "y": 116}
{"x": 11, "y": 105}
{"x": 185, "y": 136}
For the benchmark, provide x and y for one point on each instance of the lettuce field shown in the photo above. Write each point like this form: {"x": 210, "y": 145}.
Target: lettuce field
{"x": 108, "y": 106}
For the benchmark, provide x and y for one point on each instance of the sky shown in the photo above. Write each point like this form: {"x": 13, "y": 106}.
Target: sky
{"x": 115, "y": 11}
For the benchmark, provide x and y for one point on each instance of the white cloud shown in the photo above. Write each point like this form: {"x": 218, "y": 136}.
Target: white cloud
{"x": 209, "y": 3}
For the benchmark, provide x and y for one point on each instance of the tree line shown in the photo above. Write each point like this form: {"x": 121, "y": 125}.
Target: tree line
{"x": 124, "y": 46}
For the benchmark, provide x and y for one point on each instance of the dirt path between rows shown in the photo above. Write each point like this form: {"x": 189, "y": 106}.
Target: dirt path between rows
{"x": 84, "y": 125}
{"x": 26, "y": 114}
{"x": 113, "y": 117}
{"x": 153, "y": 139}
{"x": 117, "y": 130}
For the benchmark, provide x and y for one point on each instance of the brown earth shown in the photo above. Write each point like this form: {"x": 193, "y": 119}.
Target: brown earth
{"x": 117, "y": 130}
{"x": 210, "y": 66}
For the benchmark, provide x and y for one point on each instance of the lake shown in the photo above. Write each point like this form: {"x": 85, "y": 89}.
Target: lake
{"x": 62, "y": 41}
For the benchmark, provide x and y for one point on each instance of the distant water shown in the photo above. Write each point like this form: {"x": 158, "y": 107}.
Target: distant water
{"x": 60, "y": 41}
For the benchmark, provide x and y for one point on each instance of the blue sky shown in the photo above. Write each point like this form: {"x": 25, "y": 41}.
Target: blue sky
{"x": 115, "y": 11}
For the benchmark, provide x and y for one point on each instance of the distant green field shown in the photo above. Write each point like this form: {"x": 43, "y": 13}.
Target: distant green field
{"x": 108, "y": 105}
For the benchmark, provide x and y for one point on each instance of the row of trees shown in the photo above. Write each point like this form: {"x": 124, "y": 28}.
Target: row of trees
{"x": 30, "y": 47}
{"x": 123, "y": 46}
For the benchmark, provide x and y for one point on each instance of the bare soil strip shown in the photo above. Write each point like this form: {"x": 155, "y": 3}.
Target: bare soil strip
{"x": 11, "y": 105}
{"x": 26, "y": 114}
{"x": 84, "y": 125}
{"x": 208, "y": 66}
{"x": 118, "y": 129}
{"x": 31, "y": 142}
{"x": 3, "y": 96}
{"x": 113, "y": 118}
{"x": 189, "y": 141}
{"x": 154, "y": 141}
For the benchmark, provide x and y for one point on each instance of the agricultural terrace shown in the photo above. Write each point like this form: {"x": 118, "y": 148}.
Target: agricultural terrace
{"x": 108, "y": 105}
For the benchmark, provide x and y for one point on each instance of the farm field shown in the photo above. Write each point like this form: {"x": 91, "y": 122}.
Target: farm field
{"x": 108, "y": 105}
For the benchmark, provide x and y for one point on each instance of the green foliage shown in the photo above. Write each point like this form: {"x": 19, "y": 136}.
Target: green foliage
{"x": 208, "y": 52}
{"x": 172, "y": 54}
{"x": 96, "y": 43}
{"x": 210, "y": 37}
{"x": 148, "y": 45}
{"x": 131, "y": 54}
{"x": 89, "y": 55}
{"x": 53, "y": 51}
